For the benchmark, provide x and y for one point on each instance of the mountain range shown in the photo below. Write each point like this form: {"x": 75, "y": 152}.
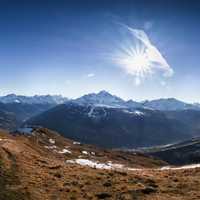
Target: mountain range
{"x": 104, "y": 119}
{"x": 103, "y": 99}
{"x": 106, "y": 99}
{"x": 111, "y": 127}
{"x": 37, "y": 99}
{"x": 76, "y": 169}
{"x": 15, "y": 109}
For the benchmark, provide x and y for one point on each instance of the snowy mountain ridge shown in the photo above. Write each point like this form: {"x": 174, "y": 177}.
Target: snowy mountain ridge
{"x": 170, "y": 104}
{"x": 37, "y": 99}
{"x": 103, "y": 99}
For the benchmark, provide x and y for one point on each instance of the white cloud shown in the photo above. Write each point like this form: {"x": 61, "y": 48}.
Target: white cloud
{"x": 138, "y": 57}
{"x": 90, "y": 75}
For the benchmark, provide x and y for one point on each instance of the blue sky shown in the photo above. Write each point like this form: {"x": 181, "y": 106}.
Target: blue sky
{"x": 67, "y": 47}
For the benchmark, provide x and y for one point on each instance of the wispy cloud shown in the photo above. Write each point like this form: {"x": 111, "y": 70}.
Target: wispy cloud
{"x": 148, "y": 25}
{"x": 90, "y": 75}
{"x": 138, "y": 57}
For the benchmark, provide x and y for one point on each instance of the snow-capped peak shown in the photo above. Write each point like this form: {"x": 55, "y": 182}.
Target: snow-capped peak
{"x": 102, "y": 98}
{"x": 169, "y": 104}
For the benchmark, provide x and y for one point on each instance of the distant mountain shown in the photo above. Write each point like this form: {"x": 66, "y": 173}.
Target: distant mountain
{"x": 8, "y": 120}
{"x": 197, "y": 105}
{"x": 111, "y": 127}
{"x": 133, "y": 104}
{"x": 15, "y": 109}
{"x": 185, "y": 152}
{"x": 37, "y": 99}
{"x": 105, "y": 99}
{"x": 21, "y": 108}
{"x": 169, "y": 105}
{"x": 102, "y": 98}
{"x": 191, "y": 118}
{"x": 12, "y": 115}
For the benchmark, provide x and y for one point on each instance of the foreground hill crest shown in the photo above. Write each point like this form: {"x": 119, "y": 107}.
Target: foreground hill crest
{"x": 40, "y": 164}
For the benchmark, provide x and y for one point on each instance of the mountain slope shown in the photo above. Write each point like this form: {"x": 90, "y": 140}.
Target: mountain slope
{"x": 36, "y": 167}
{"x": 190, "y": 118}
{"x": 7, "y": 120}
{"x": 15, "y": 109}
{"x": 12, "y": 115}
{"x": 111, "y": 127}
{"x": 185, "y": 152}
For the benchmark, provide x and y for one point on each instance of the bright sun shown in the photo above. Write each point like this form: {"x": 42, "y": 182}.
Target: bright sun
{"x": 141, "y": 61}
{"x": 138, "y": 57}
{"x": 136, "y": 62}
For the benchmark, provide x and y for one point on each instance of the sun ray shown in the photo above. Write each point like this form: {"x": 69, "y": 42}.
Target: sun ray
{"x": 140, "y": 58}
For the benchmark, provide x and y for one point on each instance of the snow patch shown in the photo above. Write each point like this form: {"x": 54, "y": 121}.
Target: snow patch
{"x": 85, "y": 152}
{"x": 77, "y": 143}
{"x": 111, "y": 166}
{"x": 95, "y": 113}
{"x": 90, "y": 113}
{"x": 16, "y": 101}
{"x": 52, "y": 141}
{"x": 109, "y": 106}
{"x": 193, "y": 166}
{"x": 95, "y": 164}
{"x": 65, "y": 151}
{"x": 50, "y": 147}
{"x": 136, "y": 112}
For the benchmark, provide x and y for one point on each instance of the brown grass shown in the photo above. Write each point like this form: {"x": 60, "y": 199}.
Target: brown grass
{"x": 41, "y": 173}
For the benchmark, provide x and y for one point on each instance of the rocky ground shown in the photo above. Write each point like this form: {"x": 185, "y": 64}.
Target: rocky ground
{"x": 43, "y": 165}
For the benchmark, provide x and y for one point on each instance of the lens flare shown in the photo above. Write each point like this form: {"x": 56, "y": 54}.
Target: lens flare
{"x": 140, "y": 58}
{"x": 135, "y": 62}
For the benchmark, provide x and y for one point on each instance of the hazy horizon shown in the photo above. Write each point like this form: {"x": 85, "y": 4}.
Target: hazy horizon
{"x": 71, "y": 98}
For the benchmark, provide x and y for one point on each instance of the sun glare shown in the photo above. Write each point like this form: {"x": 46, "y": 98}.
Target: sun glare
{"x": 140, "y": 58}
{"x": 140, "y": 62}
{"x": 136, "y": 62}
